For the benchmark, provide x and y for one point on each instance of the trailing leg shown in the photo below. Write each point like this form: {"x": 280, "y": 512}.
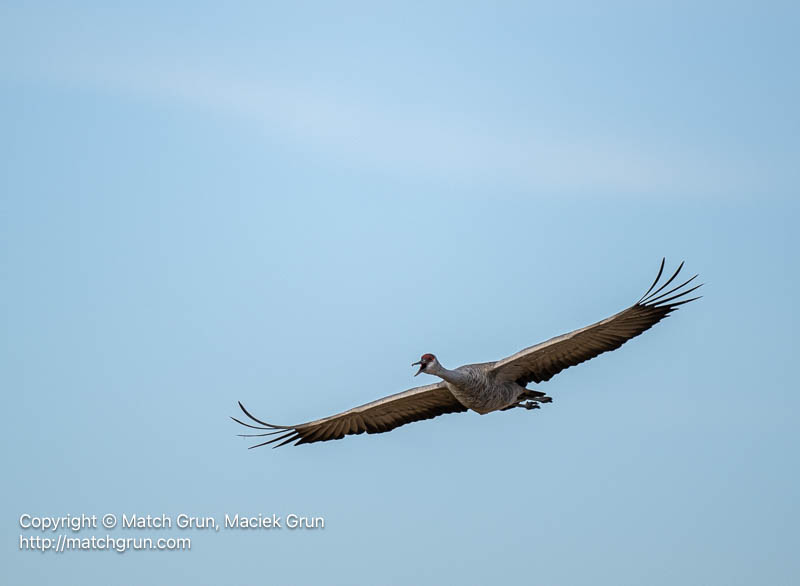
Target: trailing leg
{"x": 522, "y": 405}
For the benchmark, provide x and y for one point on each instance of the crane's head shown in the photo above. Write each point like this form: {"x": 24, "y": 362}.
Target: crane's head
{"x": 425, "y": 362}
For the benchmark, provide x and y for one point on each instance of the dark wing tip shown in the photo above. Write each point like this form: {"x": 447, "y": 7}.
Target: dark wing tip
{"x": 240, "y": 422}
{"x": 253, "y": 418}
{"x": 658, "y": 276}
{"x": 292, "y": 435}
{"x": 268, "y": 428}
{"x": 666, "y": 302}
{"x": 675, "y": 305}
{"x": 648, "y": 297}
{"x": 672, "y": 298}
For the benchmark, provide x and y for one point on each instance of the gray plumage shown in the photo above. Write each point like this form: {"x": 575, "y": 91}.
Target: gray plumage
{"x": 488, "y": 386}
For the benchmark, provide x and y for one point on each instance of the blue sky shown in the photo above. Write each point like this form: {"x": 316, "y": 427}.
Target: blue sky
{"x": 287, "y": 206}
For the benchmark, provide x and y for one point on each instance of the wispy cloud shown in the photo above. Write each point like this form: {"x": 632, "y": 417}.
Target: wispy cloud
{"x": 390, "y": 138}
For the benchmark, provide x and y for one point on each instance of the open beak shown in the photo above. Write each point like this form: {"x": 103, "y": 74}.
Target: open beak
{"x": 420, "y": 368}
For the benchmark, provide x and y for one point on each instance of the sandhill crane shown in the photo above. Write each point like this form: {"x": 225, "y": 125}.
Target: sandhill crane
{"x": 487, "y": 386}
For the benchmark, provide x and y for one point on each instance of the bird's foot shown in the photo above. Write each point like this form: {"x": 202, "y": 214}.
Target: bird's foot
{"x": 537, "y": 396}
{"x": 526, "y": 405}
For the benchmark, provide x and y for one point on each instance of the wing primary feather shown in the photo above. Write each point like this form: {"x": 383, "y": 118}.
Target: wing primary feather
{"x": 675, "y": 274}
{"x": 247, "y": 424}
{"x": 260, "y": 434}
{"x": 269, "y": 425}
{"x": 652, "y": 300}
{"x": 257, "y": 446}
{"x": 674, "y": 305}
{"x": 277, "y": 439}
{"x": 266, "y": 442}
{"x": 664, "y": 302}
{"x": 291, "y": 439}
{"x": 658, "y": 276}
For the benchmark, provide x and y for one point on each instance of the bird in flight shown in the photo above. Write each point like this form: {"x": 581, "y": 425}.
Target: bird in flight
{"x": 487, "y": 386}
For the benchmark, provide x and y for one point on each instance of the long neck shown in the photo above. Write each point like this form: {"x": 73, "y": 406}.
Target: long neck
{"x": 452, "y": 376}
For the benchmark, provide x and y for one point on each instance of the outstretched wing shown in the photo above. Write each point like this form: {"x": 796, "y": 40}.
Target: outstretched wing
{"x": 543, "y": 361}
{"x": 376, "y": 417}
